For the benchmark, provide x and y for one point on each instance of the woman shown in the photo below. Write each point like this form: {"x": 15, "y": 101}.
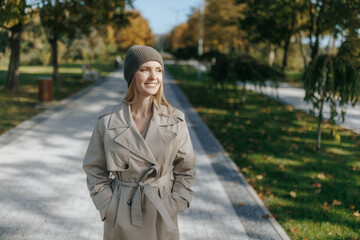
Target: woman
{"x": 145, "y": 144}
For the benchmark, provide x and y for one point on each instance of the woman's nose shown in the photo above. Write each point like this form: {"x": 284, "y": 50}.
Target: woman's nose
{"x": 152, "y": 74}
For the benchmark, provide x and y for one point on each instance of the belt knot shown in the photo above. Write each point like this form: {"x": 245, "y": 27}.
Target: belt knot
{"x": 136, "y": 202}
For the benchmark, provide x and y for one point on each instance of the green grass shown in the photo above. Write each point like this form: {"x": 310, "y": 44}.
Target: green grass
{"x": 19, "y": 106}
{"x": 312, "y": 195}
{"x": 294, "y": 77}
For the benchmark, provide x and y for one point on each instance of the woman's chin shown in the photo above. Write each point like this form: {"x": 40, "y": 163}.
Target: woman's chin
{"x": 149, "y": 93}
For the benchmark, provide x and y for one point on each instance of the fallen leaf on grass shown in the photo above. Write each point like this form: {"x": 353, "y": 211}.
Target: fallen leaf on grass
{"x": 352, "y": 206}
{"x": 245, "y": 170}
{"x": 259, "y": 177}
{"x": 243, "y": 155}
{"x": 329, "y": 176}
{"x": 317, "y": 191}
{"x": 316, "y": 185}
{"x": 267, "y": 216}
{"x": 293, "y": 194}
{"x": 325, "y": 206}
{"x": 336, "y": 203}
{"x": 268, "y": 192}
{"x": 261, "y": 195}
{"x": 356, "y": 214}
{"x": 321, "y": 176}
{"x": 240, "y": 204}
{"x": 293, "y": 230}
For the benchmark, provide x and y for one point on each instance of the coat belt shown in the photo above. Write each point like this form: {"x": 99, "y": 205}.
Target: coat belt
{"x": 148, "y": 190}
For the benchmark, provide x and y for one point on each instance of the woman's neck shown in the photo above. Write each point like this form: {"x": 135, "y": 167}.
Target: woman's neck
{"x": 142, "y": 107}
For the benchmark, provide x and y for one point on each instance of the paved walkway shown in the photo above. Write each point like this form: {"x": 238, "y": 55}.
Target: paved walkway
{"x": 43, "y": 193}
{"x": 294, "y": 96}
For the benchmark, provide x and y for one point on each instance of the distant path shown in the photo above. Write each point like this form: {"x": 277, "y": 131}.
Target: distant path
{"x": 294, "y": 96}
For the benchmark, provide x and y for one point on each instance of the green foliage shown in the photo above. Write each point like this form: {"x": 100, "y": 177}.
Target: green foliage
{"x": 332, "y": 79}
{"x": 35, "y": 49}
{"x": 12, "y": 12}
{"x": 186, "y": 53}
{"x": 350, "y": 49}
{"x": 229, "y": 69}
{"x": 337, "y": 17}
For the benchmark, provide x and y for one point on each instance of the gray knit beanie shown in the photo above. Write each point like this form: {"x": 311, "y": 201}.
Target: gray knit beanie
{"x": 137, "y": 56}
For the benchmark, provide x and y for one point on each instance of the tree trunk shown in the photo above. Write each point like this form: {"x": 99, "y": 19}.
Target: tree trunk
{"x": 271, "y": 55}
{"x": 286, "y": 49}
{"x": 320, "y": 118}
{"x": 303, "y": 55}
{"x": 315, "y": 47}
{"x": 243, "y": 93}
{"x": 287, "y": 43}
{"x": 12, "y": 80}
{"x": 54, "y": 56}
{"x": 247, "y": 45}
{"x": 237, "y": 101}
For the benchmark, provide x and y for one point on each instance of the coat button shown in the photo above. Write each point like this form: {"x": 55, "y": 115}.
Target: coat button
{"x": 129, "y": 202}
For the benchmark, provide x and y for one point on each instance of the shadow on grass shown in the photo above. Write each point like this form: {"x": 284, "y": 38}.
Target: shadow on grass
{"x": 274, "y": 146}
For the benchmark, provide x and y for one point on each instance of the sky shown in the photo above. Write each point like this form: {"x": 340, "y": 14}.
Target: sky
{"x": 163, "y": 15}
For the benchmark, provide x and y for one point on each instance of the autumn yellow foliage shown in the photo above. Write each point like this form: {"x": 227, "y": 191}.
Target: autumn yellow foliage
{"x": 137, "y": 32}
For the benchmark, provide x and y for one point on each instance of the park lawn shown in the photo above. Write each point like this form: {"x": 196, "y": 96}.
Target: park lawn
{"x": 19, "y": 106}
{"x": 294, "y": 77}
{"x": 312, "y": 195}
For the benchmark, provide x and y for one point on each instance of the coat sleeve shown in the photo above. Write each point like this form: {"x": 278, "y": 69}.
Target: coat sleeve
{"x": 98, "y": 180}
{"x": 184, "y": 171}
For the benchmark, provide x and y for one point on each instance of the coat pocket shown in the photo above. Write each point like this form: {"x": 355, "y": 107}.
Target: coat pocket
{"x": 174, "y": 203}
{"x": 111, "y": 212}
{"x": 180, "y": 203}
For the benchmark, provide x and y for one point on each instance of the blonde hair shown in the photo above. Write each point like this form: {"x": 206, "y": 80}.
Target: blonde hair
{"x": 159, "y": 97}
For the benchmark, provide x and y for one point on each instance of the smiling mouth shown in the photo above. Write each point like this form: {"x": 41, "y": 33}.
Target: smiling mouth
{"x": 151, "y": 84}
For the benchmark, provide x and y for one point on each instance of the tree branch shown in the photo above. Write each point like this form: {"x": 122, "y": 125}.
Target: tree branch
{"x": 7, "y": 28}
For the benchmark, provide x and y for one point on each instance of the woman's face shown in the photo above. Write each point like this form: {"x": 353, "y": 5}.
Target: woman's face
{"x": 148, "y": 78}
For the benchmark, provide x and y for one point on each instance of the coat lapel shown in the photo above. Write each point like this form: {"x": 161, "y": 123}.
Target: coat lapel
{"x": 158, "y": 136}
{"x": 130, "y": 138}
{"x": 157, "y": 139}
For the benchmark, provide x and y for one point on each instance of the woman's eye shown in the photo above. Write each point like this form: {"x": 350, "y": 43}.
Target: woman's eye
{"x": 143, "y": 70}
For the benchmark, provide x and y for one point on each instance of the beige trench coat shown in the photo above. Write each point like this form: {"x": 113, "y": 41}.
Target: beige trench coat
{"x": 153, "y": 176}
